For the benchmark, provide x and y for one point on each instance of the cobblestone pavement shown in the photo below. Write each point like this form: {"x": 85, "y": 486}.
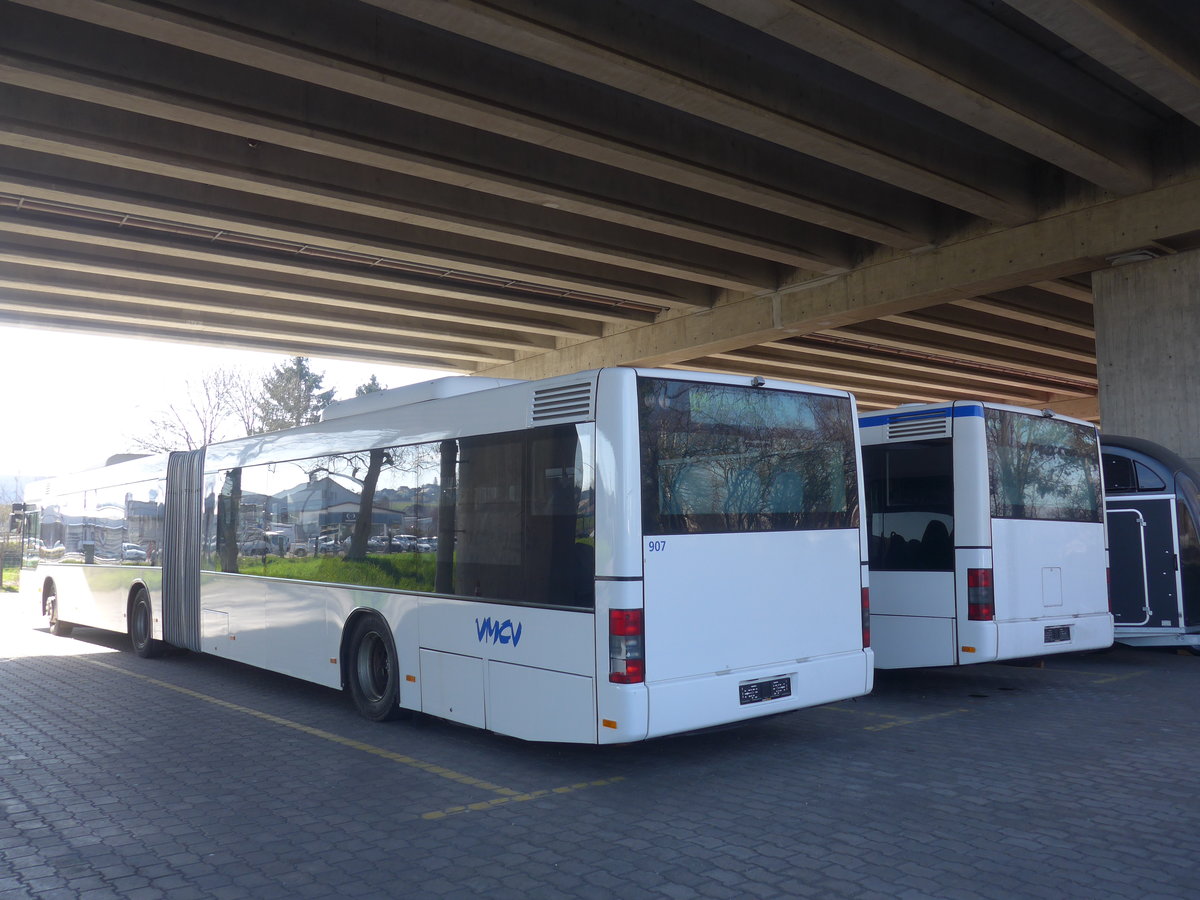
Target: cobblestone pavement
{"x": 191, "y": 777}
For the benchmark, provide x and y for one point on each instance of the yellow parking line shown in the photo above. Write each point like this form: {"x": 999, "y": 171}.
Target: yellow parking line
{"x": 1109, "y": 679}
{"x": 862, "y": 712}
{"x": 898, "y": 720}
{"x": 1105, "y": 678}
{"x": 519, "y": 798}
{"x": 440, "y": 771}
{"x": 941, "y": 715}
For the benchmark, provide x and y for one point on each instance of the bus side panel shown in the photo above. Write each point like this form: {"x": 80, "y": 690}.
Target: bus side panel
{"x": 912, "y": 593}
{"x": 906, "y": 642}
{"x": 96, "y": 595}
{"x": 912, "y": 619}
{"x": 565, "y": 708}
{"x": 233, "y": 618}
{"x": 529, "y": 670}
{"x": 290, "y": 627}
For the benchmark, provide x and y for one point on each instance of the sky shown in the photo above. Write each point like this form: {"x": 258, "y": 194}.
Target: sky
{"x": 69, "y": 401}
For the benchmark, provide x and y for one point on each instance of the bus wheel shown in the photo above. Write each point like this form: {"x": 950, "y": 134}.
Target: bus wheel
{"x": 57, "y": 626}
{"x": 374, "y": 674}
{"x": 141, "y": 626}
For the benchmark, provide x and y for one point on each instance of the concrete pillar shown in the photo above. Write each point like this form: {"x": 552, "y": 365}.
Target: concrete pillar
{"x": 1148, "y": 351}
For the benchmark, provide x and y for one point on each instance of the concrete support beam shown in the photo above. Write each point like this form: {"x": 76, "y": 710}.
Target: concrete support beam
{"x": 211, "y": 38}
{"x": 920, "y": 64}
{"x": 183, "y": 206}
{"x": 485, "y": 23}
{"x": 802, "y": 247}
{"x": 1147, "y": 335}
{"x": 1150, "y": 51}
{"x": 1052, "y": 248}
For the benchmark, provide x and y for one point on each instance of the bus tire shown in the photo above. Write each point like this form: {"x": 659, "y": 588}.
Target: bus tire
{"x": 141, "y": 626}
{"x": 373, "y": 673}
{"x": 58, "y": 627}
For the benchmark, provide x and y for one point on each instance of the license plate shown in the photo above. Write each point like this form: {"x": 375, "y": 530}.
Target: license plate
{"x": 767, "y": 689}
{"x": 1056, "y": 634}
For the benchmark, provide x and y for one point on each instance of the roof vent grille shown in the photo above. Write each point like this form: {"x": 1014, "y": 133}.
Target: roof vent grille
{"x": 910, "y": 427}
{"x": 566, "y": 403}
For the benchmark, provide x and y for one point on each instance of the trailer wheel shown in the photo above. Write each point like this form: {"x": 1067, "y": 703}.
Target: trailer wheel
{"x": 58, "y": 627}
{"x": 141, "y": 626}
{"x": 373, "y": 671}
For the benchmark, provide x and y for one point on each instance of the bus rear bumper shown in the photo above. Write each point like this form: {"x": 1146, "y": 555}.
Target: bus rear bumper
{"x": 704, "y": 701}
{"x": 1063, "y": 634}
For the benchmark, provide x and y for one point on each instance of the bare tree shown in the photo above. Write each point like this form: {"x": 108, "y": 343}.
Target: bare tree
{"x": 204, "y": 414}
{"x": 245, "y": 391}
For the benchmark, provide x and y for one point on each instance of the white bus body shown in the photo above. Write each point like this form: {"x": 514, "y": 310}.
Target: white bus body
{"x": 599, "y": 558}
{"x": 986, "y": 533}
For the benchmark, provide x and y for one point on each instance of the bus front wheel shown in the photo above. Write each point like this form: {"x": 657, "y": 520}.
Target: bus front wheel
{"x": 58, "y": 627}
{"x": 141, "y": 626}
{"x": 374, "y": 671}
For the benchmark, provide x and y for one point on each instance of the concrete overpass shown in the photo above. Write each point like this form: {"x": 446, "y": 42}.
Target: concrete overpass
{"x": 908, "y": 199}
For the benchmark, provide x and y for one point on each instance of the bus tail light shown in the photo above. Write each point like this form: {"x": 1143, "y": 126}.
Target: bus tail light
{"x": 866, "y": 617}
{"x": 626, "y": 646}
{"x": 1108, "y": 586}
{"x": 981, "y": 599}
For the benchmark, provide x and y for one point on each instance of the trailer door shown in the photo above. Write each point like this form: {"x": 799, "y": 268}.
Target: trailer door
{"x": 1143, "y": 560}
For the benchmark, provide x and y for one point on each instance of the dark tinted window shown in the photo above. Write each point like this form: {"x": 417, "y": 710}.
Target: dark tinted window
{"x": 1118, "y": 474}
{"x": 1148, "y": 479}
{"x": 500, "y": 517}
{"x": 1188, "y": 499}
{"x": 1042, "y": 468}
{"x": 723, "y": 458}
{"x": 910, "y": 505}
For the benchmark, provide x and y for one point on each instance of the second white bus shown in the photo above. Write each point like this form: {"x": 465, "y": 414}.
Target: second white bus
{"x": 600, "y": 558}
{"x": 986, "y": 532}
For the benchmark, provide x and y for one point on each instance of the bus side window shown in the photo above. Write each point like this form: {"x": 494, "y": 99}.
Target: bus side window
{"x": 228, "y": 502}
{"x": 910, "y": 491}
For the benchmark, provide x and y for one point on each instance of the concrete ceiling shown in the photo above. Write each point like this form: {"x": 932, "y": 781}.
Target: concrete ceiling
{"x": 905, "y": 198}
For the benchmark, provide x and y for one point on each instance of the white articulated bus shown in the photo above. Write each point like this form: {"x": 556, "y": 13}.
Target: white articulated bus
{"x": 986, "y": 534}
{"x": 605, "y": 557}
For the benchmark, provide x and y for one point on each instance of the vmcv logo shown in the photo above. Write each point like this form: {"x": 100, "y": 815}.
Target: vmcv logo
{"x": 499, "y": 632}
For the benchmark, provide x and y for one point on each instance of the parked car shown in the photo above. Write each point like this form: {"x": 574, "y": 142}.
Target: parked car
{"x": 132, "y": 553}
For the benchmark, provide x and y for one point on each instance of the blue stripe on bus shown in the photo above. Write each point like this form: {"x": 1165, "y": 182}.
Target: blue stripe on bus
{"x": 957, "y": 412}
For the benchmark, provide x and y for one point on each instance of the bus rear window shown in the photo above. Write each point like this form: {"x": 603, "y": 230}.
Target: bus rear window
{"x": 723, "y": 458}
{"x": 1042, "y": 468}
